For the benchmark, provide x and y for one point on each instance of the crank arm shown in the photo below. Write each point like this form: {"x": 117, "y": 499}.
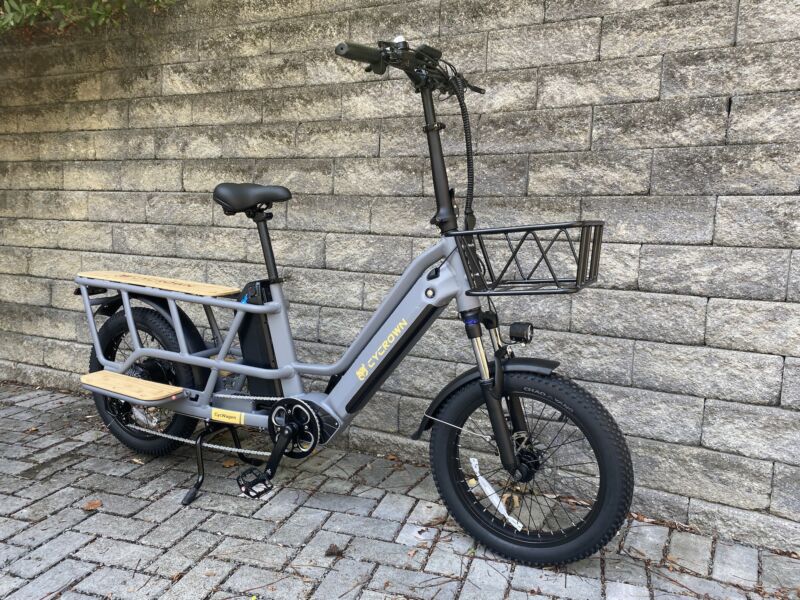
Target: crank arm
{"x": 248, "y": 480}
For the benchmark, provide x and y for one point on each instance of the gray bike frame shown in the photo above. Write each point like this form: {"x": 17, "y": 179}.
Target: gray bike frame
{"x": 415, "y": 301}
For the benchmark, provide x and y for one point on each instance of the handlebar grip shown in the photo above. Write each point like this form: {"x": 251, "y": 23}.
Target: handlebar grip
{"x": 359, "y": 52}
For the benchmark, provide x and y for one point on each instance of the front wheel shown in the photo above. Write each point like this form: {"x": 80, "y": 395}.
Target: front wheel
{"x": 579, "y": 478}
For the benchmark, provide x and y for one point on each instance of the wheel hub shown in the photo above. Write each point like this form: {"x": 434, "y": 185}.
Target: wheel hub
{"x": 528, "y": 457}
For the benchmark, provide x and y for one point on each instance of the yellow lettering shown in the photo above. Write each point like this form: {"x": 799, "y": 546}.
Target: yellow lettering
{"x": 373, "y": 360}
{"x": 227, "y": 416}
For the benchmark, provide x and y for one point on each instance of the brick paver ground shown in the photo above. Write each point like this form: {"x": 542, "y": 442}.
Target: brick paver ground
{"x": 339, "y": 525}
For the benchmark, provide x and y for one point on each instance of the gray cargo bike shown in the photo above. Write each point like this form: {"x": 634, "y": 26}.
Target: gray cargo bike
{"x": 527, "y": 462}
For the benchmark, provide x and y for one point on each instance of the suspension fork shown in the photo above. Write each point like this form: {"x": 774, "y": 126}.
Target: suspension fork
{"x": 502, "y": 435}
{"x": 491, "y": 322}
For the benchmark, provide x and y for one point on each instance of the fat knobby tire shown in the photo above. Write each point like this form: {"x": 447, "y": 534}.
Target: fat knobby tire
{"x": 148, "y": 321}
{"x": 600, "y": 430}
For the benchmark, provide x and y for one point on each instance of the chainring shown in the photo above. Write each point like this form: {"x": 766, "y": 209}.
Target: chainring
{"x": 305, "y": 417}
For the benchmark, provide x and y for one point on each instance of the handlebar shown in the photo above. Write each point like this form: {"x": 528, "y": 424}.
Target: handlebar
{"x": 429, "y": 72}
{"x": 366, "y": 54}
{"x": 422, "y": 64}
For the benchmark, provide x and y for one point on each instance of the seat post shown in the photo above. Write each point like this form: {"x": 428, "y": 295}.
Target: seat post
{"x": 261, "y": 217}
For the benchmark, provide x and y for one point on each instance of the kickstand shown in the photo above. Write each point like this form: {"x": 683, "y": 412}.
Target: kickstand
{"x": 243, "y": 457}
{"x": 209, "y": 432}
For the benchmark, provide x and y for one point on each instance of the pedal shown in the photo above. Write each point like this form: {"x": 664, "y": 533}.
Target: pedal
{"x": 254, "y": 483}
{"x": 287, "y": 431}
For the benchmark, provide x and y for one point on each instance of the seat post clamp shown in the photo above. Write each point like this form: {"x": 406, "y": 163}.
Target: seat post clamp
{"x": 428, "y": 127}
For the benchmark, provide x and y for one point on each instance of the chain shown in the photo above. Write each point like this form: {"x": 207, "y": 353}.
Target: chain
{"x": 243, "y": 397}
{"x": 205, "y": 445}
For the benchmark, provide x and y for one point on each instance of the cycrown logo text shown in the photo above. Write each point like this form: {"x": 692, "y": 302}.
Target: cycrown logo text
{"x": 363, "y": 371}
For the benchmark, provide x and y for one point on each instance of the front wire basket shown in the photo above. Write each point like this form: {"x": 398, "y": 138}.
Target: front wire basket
{"x": 558, "y": 258}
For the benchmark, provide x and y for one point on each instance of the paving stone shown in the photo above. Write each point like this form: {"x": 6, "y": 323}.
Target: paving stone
{"x": 299, "y": 527}
{"x": 394, "y": 507}
{"x": 12, "y": 504}
{"x": 49, "y": 528}
{"x": 108, "y": 483}
{"x": 736, "y": 564}
{"x": 169, "y": 532}
{"x": 282, "y": 504}
{"x": 396, "y": 538}
{"x": 623, "y": 568}
{"x": 365, "y": 491}
{"x": 200, "y": 581}
{"x": 443, "y": 561}
{"x": 320, "y": 462}
{"x": 47, "y": 555}
{"x": 362, "y": 526}
{"x": 626, "y": 591}
{"x": 114, "y": 553}
{"x": 646, "y": 541}
{"x": 9, "y": 583}
{"x": 344, "y": 580}
{"x": 120, "y": 528}
{"x": 170, "y": 480}
{"x": 341, "y": 503}
{"x": 105, "y": 466}
{"x": 337, "y": 486}
{"x": 236, "y": 505}
{"x": 416, "y": 536}
{"x": 486, "y": 579}
{"x": 374, "y": 472}
{"x": 118, "y": 583}
{"x": 55, "y": 452}
{"x": 562, "y": 585}
{"x": 780, "y": 572}
{"x": 589, "y": 567}
{"x": 162, "y": 509}
{"x": 43, "y": 508}
{"x": 425, "y": 490}
{"x": 9, "y": 553}
{"x": 667, "y": 583}
{"x": 180, "y": 557}
{"x": 267, "y": 584}
{"x": 350, "y": 464}
{"x": 259, "y": 554}
{"x": 428, "y": 514}
{"x": 314, "y": 559}
{"x": 114, "y": 504}
{"x": 235, "y": 526}
{"x": 61, "y": 577}
{"x": 690, "y": 551}
{"x": 386, "y": 553}
{"x": 416, "y": 585}
{"x": 9, "y": 527}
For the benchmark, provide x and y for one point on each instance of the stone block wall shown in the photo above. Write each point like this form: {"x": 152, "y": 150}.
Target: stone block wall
{"x": 676, "y": 122}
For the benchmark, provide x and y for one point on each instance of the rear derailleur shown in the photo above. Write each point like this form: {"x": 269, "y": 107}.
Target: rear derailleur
{"x": 294, "y": 429}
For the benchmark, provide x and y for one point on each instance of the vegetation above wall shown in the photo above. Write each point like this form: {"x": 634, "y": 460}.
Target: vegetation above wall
{"x": 57, "y": 16}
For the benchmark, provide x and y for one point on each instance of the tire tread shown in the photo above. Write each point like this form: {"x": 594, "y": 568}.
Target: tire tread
{"x": 608, "y": 424}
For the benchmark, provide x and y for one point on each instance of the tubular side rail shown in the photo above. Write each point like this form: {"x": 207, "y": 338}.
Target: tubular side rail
{"x": 268, "y": 308}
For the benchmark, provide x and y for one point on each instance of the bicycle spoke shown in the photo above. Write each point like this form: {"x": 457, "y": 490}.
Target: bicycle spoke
{"x": 554, "y": 500}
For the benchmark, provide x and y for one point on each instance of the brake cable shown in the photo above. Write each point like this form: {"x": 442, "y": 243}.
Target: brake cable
{"x": 458, "y": 84}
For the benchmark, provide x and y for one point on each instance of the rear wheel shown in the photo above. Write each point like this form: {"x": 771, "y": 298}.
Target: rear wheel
{"x": 122, "y": 418}
{"x": 579, "y": 484}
